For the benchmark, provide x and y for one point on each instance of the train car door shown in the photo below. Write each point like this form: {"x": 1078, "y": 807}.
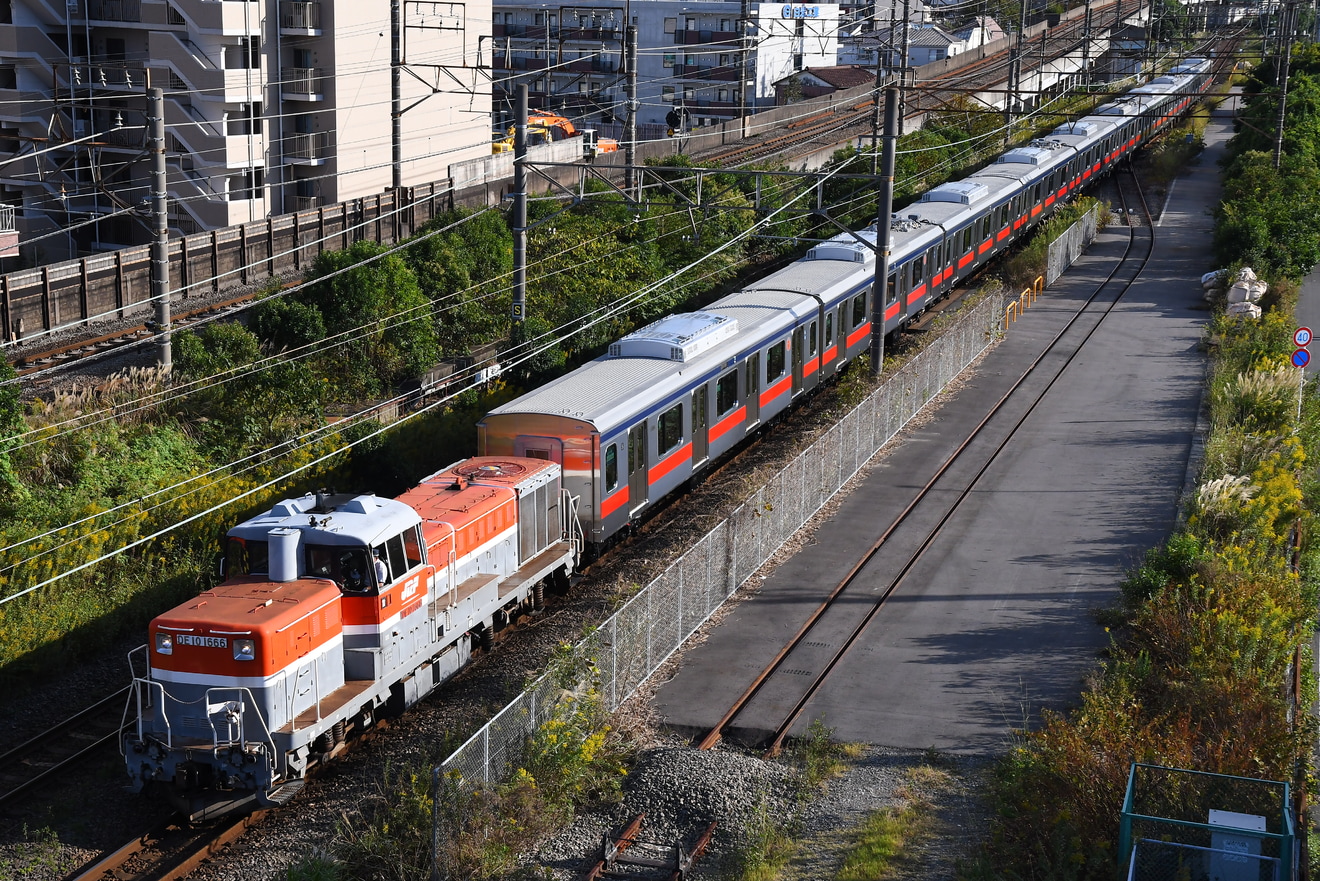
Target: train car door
{"x": 798, "y": 349}
{"x": 638, "y": 485}
{"x": 753, "y": 388}
{"x": 700, "y": 432}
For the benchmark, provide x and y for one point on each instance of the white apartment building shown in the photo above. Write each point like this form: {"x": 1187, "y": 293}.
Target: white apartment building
{"x": 271, "y": 106}
{"x": 691, "y": 55}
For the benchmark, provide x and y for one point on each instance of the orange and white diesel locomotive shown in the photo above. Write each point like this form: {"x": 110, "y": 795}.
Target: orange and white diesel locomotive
{"x": 335, "y": 608}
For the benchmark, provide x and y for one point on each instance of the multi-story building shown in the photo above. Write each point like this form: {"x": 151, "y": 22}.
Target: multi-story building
{"x": 714, "y": 59}
{"x": 270, "y": 106}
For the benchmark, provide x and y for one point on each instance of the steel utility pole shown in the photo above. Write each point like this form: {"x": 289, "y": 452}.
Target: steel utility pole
{"x": 160, "y": 247}
{"x": 903, "y": 60}
{"x": 630, "y": 96}
{"x": 1015, "y": 75}
{"x": 519, "y": 311}
{"x": 396, "y": 93}
{"x": 745, "y": 49}
{"x": 883, "y": 222}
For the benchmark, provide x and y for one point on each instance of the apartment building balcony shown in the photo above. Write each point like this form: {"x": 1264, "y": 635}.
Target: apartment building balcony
{"x": 590, "y": 35}
{"x": 307, "y": 203}
{"x": 593, "y": 65}
{"x": 114, "y": 10}
{"x": 302, "y": 84}
{"x": 521, "y": 31}
{"x": 299, "y": 19}
{"x": 228, "y": 18}
{"x": 696, "y": 38}
{"x": 307, "y": 148}
{"x": 724, "y": 73}
{"x": 8, "y": 232}
{"x": 504, "y": 62}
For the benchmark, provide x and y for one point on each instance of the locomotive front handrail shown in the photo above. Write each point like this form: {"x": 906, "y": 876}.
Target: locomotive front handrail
{"x": 138, "y": 683}
{"x": 243, "y": 693}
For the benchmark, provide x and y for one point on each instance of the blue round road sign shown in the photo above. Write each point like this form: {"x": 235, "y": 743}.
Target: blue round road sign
{"x": 1301, "y": 358}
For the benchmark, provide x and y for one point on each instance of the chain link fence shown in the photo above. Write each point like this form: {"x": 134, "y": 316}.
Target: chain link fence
{"x": 629, "y": 646}
{"x": 1068, "y": 247}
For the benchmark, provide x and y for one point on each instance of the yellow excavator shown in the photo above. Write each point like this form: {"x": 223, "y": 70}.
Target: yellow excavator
{"x": 544, "y": 127}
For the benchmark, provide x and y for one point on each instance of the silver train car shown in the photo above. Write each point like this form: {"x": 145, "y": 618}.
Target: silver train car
{"x": 666, "y": 401}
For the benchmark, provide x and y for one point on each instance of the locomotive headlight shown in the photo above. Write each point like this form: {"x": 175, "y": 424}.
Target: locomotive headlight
{"x": 165, "y": 643}
{"x": 244, "y": 650}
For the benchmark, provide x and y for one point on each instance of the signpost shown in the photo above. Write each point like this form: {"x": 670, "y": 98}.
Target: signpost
{"x": 1301, "y": 338}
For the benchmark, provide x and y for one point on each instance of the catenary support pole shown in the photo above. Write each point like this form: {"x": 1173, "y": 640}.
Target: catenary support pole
{"x": 880, "y": 288}
{"x": 396, "y": 93}
{"x": 520, "y": 209}
{"x": 630, "y": 92}
{"x": 160, "y": 245}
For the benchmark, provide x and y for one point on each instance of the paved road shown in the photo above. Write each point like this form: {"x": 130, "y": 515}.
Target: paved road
{"x": 998, "y": 624}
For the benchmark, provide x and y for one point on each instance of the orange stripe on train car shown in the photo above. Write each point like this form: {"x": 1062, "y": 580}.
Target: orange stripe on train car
{"x": 1036, "y": 209}
{"x": 917, "y": 293}
{"x": 811, "y": 367}
{"x": 614, "y": 502}
{"x": 669, "y": 463}
{"x": 1004, "y": 233}
{"x": 963, "y": 261}
{"x": 775, "y": 390}
{"x": 864, "y": 330}
{"x": 986, "y": 245}
{"x": 728, "y": 423}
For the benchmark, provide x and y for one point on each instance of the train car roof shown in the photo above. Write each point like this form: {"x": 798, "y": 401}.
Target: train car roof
{"x": 613, "y": 390}
{"x": 340, "y": 519}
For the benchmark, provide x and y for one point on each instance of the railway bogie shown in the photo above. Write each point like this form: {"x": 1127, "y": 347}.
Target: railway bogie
{"x": 337, "y": 608}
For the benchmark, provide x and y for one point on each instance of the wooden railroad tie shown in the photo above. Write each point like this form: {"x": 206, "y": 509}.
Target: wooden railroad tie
{"x": 669, "y": 862}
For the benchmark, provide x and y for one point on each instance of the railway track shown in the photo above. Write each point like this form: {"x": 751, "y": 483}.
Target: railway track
{"x": 169, "y": 851}
{"x": 858, "y": 601}
{"x": 69, "y": 353}
{"x": 62, "y": 747}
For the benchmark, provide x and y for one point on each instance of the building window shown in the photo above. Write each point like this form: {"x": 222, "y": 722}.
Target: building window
{"x": 689, "y": 94}
{"x": 723, "y": 95}
{"x": 246, "y": 120}
{"x": 250, "y": 185}
{"x": 667, "y": 93}
{"x": 538, "y": 19}
{"x": 670, "y": 429}
{"x": 669, "y": 59}
{"x": 8, "y": 76}
{"x": 691, "y": 24}
{"x": 690, "y": 60}
{"x": 671, "y": 25}
{"x": 724, "y": 61}
{"x": 724, "y": 24}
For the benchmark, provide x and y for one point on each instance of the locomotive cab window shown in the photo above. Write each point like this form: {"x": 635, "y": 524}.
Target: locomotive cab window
{"x": 243, "y": 557}
{"x": 611, "y": 468}
{"x": 775, "y": 362}
{"x": 670, "y": 429}
{"x": 726, "y": 393}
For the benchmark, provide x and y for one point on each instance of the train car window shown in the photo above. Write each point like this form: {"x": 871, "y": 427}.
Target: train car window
{"x": 670, "y": 429}
{"x": 967, "y": 239}
{"x": 351, "y": 569}
{"x": 829, "y": 325}
{"x": 611, "y": 468}
{"x": 891, "y": 290}
{"x": 726, "y": 393}
{"x": 919, "y": 268}
{"x": 812, "y": 332}
{"x": 932, "y": 261}
{"x": 243, "y": 557}
{"x": 775, "y": 362}
{"x": 412, "y": 547}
